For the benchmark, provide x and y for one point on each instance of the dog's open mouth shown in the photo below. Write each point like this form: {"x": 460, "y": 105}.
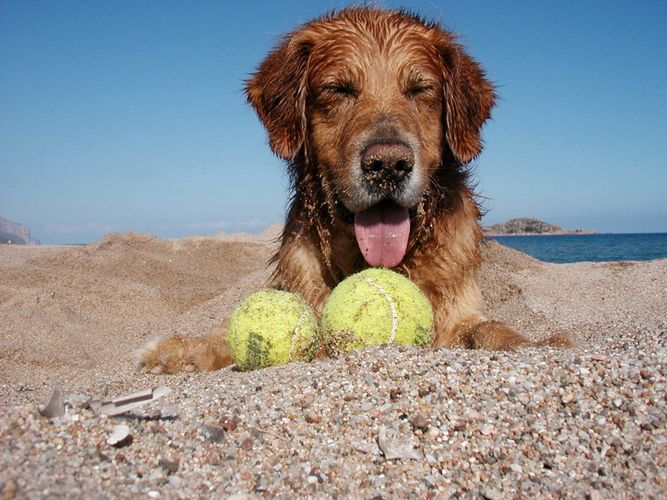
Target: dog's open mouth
{"x": 382, "y": 233}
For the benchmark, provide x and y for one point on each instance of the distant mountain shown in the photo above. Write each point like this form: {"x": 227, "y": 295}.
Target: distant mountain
{"x": 15, "y": 234}
{"x": 526, "y": 226}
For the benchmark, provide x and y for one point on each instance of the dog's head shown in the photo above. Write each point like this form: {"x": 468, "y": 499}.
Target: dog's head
{"x": 375, "y": 100}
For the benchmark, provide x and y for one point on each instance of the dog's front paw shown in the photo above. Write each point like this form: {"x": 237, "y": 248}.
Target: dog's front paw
{"x": 496, "y": 336}
{"x": 176, "y": 354}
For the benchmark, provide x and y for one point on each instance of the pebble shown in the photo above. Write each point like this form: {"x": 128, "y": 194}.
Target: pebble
{"x": 396, "y": 443}
{"x": 492, "y": 494}
{"x": 312, "y": 418}
{"x": 171, "y": 466}
{"x": 487, "y": 430}
{"x": 420, "y": 422}
{"x": 119, "y": 435}
{"x": 213, "y": 433}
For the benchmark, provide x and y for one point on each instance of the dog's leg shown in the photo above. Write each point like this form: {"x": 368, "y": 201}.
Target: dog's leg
{"x": 178, "y": 353}
{"x": 479, "y": 333}
{"x": 498, "y": 336}
{"x": 476, "y": 332}
{"x": 461, "y": 324}
{"x": 299, "y": 269}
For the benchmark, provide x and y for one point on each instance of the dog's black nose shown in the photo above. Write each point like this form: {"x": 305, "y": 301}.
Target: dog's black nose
{"x": 387, "y": 162}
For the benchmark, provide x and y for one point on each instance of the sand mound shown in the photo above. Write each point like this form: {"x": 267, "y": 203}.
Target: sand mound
{"x": 75, "y": 312}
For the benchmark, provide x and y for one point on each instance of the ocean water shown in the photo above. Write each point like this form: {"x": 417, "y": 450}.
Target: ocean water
{"x": 590, "y": 247}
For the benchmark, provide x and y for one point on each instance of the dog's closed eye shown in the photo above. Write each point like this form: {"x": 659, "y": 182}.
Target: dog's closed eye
{"x": 416, "y": 88}
{"x": 344, "y": 89}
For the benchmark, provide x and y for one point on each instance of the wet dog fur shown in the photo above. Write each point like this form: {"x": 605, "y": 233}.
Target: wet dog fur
{"x": 332, "y": 89}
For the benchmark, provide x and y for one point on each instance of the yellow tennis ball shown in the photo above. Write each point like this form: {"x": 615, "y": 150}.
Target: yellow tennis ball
{"x": 271, "y": 327}
{"x": 375, "y": 306}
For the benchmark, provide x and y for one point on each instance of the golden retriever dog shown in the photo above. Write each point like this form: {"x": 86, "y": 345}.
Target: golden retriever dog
{"x": 377, "y": 114}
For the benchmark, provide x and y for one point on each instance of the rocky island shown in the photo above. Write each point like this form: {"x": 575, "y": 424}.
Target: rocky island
{"x": 527, "y": 226}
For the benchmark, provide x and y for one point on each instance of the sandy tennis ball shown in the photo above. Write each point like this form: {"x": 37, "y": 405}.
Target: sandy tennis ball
{"x": 375, "y": 306}
{"x": 271, "y": 327}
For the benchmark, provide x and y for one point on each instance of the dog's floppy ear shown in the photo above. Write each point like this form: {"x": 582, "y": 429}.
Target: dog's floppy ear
{"x": 277, "y": 91}
{"x": 469, "y": 97}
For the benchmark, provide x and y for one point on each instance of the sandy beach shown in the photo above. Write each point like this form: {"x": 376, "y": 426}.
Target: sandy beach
{"x": 384, "y": 422}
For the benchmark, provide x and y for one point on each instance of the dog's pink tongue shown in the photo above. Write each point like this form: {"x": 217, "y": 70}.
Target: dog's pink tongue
{"x": 382, "y": 233}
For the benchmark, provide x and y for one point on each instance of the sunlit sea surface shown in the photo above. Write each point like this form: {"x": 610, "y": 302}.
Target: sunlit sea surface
{"x": 590, "y": 247}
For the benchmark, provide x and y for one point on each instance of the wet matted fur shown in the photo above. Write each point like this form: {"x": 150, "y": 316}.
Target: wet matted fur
{"x": 373, "y": 108}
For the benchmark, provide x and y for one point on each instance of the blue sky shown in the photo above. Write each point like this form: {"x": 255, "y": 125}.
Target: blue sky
{"x": 130, "y": 115}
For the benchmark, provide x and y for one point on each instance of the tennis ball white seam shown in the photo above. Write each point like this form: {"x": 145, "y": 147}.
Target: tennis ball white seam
{"x": 295, "y": 333}
{"x": 392, "y": 306}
